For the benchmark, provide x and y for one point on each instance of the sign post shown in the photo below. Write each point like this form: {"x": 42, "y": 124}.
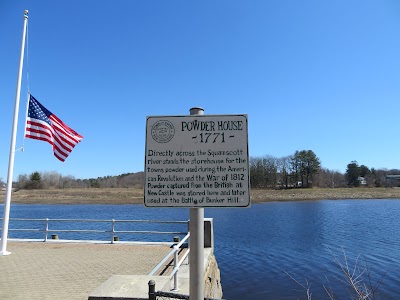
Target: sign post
{"x": 196, "y": 257}
{"x": 197, "y": 161}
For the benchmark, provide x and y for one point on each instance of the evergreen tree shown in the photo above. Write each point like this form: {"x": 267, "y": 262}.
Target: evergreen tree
{"x": 353, "y": 171}
{"x": 35, "y": 181}
{"x": 307, "y": 164}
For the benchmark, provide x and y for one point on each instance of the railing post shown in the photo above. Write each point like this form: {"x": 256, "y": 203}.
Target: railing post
{"x": 46, "y": 230}
{"x": 152, "y": 290}
{"x": 176, "y": 262}
{"x": 112, "y": 230}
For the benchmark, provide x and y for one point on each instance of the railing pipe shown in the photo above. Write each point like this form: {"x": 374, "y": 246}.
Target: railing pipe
{"x": 161, "y": 263}
{"x": 113, "y": 231}
{"x": 176, "y": 248}
{"x": 179, "y": 264}
{"x": 150, "y": 232}
{"x": 96, "y": 220}
{"x": 184, "y": 239}
{"x": 46, "y": 230}
{"x": 168, "y": 255}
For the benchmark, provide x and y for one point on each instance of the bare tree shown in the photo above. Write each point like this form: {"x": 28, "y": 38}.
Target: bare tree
{"x": 270, "y": 171}
{"x": 283, "y": 169}
{"x": 68, "y": 182}
{"x": 108, "y": 182}
{"x": 51, "y": 179}
{"x": 329, "y": 179}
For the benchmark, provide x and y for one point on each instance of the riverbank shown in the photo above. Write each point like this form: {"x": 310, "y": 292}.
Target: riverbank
{"x": 135, "y": 196}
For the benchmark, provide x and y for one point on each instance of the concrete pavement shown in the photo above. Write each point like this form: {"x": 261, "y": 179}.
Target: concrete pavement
{"x": 54, "y": 270}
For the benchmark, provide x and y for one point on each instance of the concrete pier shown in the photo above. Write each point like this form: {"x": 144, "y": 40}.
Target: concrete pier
{"x": 54, "y": 270}
{"x": 59, "y": 269}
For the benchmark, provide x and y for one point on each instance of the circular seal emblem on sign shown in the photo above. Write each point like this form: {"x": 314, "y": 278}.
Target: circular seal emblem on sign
{"x": 162, "y": 131}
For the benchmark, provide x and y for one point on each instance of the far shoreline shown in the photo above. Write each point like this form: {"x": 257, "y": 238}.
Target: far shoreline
{"x": 135, "y": 195}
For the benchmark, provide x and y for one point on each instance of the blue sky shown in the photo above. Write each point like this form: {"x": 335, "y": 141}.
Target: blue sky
{"x": 318, "y": 75}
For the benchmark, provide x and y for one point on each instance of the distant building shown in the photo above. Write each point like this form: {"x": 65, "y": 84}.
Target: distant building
{"x": 362, "y": 180}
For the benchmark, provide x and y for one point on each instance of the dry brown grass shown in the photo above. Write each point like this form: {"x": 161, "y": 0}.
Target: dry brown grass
{"x": 79, "y": 196}
{"x": 135, "y": 195}
{"x": 262, "y": 195}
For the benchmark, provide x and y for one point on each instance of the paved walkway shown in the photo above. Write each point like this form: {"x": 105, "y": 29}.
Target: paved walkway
{"x": 54, "y": 270}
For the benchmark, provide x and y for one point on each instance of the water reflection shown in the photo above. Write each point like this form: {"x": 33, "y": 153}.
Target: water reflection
{"x": 255, "y": 246}
{"x": 302, "y": 239}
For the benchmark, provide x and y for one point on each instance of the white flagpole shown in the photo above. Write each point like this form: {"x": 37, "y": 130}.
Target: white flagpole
{"x": 6, "y": 216}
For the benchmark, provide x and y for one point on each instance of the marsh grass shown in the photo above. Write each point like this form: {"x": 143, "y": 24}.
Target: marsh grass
{"x": 79, "y": 196}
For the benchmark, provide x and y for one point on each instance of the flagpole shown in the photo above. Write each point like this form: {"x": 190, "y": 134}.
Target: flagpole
{"x": 6, "y": 216}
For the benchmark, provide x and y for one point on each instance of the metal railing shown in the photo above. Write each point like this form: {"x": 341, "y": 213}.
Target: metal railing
{"x": 45, "y": 226}
{"x": 177, "y": 262}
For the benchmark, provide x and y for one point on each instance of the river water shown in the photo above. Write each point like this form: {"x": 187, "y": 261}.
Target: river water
{"x": 263, "y": 250}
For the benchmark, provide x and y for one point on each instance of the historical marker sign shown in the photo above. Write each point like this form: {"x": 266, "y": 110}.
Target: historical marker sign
{"x": 197, "y": 161}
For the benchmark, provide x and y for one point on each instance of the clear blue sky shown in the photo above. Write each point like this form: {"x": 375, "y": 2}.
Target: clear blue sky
{"x": 318, "y": 75}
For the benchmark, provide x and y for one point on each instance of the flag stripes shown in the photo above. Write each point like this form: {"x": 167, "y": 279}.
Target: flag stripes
{"x": 43, "y": 125}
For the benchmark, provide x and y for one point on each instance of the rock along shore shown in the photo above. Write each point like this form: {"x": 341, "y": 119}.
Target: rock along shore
{"x": 135, "y": 195}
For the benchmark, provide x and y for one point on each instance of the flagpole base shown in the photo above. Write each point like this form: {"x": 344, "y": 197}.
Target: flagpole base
{"x": 4, "y": 253}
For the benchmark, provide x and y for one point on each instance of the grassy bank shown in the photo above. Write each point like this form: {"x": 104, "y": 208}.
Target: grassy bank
{"x": 321, "y": 194}
{"x": 78, "y": 196}
{"x": 135, "y": 196}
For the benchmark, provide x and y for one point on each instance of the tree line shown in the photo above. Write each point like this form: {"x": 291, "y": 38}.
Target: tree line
{"x": 300, "y": 170}
{"x": 303, "y": 169}
{"x": 54, "y": 180}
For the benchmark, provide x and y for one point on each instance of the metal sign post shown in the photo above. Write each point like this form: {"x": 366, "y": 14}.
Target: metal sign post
{"x": 197, "y": 161}
{"x": 196, "y": 258}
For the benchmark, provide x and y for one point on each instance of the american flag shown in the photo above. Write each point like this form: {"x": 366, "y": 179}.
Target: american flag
{"x": 42, "y": 124}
